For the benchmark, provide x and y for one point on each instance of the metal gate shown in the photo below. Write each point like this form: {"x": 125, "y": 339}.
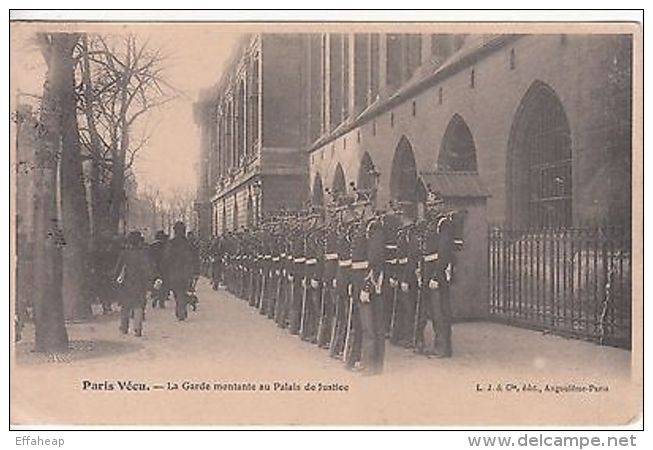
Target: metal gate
{"x": 571, "y": 281}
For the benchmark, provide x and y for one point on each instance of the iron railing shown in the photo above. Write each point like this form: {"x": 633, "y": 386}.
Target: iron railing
{"x": 570, "y": 281}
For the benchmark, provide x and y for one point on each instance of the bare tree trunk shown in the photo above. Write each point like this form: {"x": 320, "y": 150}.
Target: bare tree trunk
{"x": 75, "y": 212}
{"x": 117, "y": 190}
{"x": 98, "y": 200}
{"x": 50, "y": 330}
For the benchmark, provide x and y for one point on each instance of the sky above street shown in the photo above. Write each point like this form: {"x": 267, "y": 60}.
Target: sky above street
{"x": 197, "y": 54}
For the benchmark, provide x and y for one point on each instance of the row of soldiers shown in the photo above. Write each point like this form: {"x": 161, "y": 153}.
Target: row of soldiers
{"x": 348, "y": 277}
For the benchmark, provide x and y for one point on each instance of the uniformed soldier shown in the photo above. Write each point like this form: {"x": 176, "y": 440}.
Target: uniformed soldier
{"x": 312, "y": 280}
{"x": 373, "y": 322}
{"x": 360, "y": 288}
{"x": 408, "y": 256}
{"x": 297, "y": 278}
{"x": 216, "y": 254}
{"x": 438, "y": 260}
{"x": 285, "y": 264}
{"x": 342, "y": 286}
{"x": 391, "y": 225}
{"x": 330, "y": 269}
{"x": 275, "y": 270}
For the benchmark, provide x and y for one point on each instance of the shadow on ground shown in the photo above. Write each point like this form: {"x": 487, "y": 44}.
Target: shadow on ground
{"x": 77, "y": 350}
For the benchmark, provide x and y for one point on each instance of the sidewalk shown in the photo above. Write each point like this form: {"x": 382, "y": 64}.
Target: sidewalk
{"x": 227, "y": 341}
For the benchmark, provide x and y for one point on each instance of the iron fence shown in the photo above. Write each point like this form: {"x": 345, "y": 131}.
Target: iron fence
{"x": 570, "y": 281}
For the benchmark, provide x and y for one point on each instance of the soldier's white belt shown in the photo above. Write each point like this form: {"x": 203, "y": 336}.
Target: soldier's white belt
{"x": 344, "y": 263}
{"x": 360, "y": 265}
{"x": 290, "y": 257}
{"x": 458, "y": 241}
{"x": 300, "y": 260}
{"x": 283, "y": 255}
{"x": 330, "y": 256}
{"x": 275, "y": 259}
{"x": 431, "y": 257}
{"x": 403, "y": 260}
{"x": 391, "y": 261}
{"x": 311, "y": 261}
{"x": 390, "y": 246}
{"x": 267, "y": 257}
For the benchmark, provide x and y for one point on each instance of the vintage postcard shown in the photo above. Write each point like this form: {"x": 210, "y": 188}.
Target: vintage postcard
{"x": 341, "y": 224}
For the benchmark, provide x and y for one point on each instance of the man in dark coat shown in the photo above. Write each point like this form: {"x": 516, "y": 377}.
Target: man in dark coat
{"x": 134, "y": 274}
{"x": 157, "y": 250}
{"x": 180, "y": 268}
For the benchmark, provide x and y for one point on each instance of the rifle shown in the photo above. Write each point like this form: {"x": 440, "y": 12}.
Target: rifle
{"x": 291, "y": 298}
{"x": 261, "y": 293}
{"x": 350, "y": 321}
{"x": 418, "y": 307}
{"x": 334, "y": 322}
{"x": 302, "y": 323}
{"x": 321, "y": 324}
{"x": 393, "y": 317}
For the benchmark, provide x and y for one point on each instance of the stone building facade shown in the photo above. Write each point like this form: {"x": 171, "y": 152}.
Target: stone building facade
{"x": 254, "y": 132}
{"x": 537, "y": 125}
{"x": 542, "y": 122}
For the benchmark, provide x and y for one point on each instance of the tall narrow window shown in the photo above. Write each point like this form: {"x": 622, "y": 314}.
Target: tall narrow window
{"x": 345, "y": 76}
{"x": 374, "y": 67}
{"x": 254, "y": 96}
{"x": 361, "y": 71}
{"x": 413, "y": 53}
{"x": 395, "y": 63}
{"x": 336, "y": 79}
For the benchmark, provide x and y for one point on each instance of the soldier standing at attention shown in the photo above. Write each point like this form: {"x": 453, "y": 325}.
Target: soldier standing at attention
{"x": 297, "y": 278}
{"x": 391, "y": 225}
{"x": 328, "y": 304}
{"x": 281, "y": 309}
{"x": 360, "y": 290}
{"x": 372, "y": 314}
{"x": 342, "y": 287}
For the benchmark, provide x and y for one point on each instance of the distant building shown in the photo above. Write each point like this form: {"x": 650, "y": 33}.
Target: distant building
{"x": 254, "y": 132}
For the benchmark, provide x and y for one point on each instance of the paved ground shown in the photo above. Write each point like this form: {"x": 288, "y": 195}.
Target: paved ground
{"x": 226, "y": 341}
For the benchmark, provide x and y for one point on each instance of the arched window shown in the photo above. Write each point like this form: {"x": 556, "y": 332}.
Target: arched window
{"x": 403, "y": 175}
{"x": 457, "y": 150}
{"x": 240, "y": 123}
{"x": 339, "y": 185}
{"x": 540, "y": 162}
{"x": 317, "y": 198}
{"x": 366, "y": 173}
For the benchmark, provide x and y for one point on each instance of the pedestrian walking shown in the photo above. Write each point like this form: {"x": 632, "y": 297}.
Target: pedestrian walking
{"x": 133, "y": 273}
{"x": 157, "y": 250}
{"x": 180, "y": 268}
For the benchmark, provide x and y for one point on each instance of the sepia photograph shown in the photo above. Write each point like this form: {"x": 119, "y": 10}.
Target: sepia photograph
{"x": 333, "y": 224}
